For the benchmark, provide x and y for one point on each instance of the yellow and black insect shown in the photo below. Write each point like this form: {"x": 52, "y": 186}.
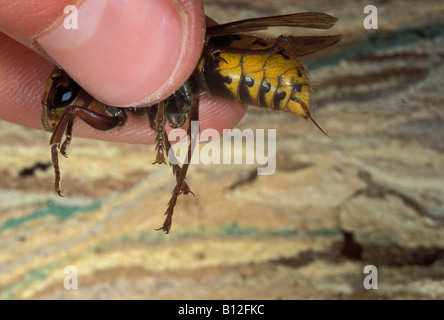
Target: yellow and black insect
{"x": 238, "y": 67}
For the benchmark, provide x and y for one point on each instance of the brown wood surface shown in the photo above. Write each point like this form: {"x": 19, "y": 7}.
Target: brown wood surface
{"x": 371, "y": 194}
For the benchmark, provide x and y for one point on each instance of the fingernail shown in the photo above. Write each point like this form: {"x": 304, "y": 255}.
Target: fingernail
{"x": 123, "y": 51}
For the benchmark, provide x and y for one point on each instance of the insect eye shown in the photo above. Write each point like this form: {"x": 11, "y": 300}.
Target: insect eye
{"x": 63, "y": 96}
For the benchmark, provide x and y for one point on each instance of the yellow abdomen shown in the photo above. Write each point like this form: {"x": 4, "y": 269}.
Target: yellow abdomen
{"x": 262, "y": 76}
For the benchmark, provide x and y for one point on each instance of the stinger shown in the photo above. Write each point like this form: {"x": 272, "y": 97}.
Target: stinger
{"x": 309, "y": 116}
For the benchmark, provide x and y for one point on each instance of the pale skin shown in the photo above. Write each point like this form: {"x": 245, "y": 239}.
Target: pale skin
{"x": 26, "y": 27}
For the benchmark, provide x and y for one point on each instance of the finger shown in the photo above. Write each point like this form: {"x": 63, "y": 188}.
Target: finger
{"x": 22, "y": 77}
{"x": 123, "y": 52}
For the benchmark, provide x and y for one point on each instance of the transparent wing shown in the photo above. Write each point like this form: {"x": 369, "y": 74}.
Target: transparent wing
{"x": 293, "y": 46}
{"x": 302, "y": 46}
{"x": 316, "y": 20}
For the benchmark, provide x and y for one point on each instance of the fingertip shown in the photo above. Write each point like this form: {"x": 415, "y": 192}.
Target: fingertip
{"x": 128, "y": 53}
{"x": 218, "y": 113}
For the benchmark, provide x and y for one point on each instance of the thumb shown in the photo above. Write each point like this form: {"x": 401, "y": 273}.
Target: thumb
{"x": 123, "y": 52}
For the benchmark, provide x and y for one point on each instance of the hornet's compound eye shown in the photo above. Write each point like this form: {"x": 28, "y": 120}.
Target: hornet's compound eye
{"x": 63, "y": 96}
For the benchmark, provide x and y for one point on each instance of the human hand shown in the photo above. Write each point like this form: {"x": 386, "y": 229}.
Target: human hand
{"x": 124, "y": 53}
